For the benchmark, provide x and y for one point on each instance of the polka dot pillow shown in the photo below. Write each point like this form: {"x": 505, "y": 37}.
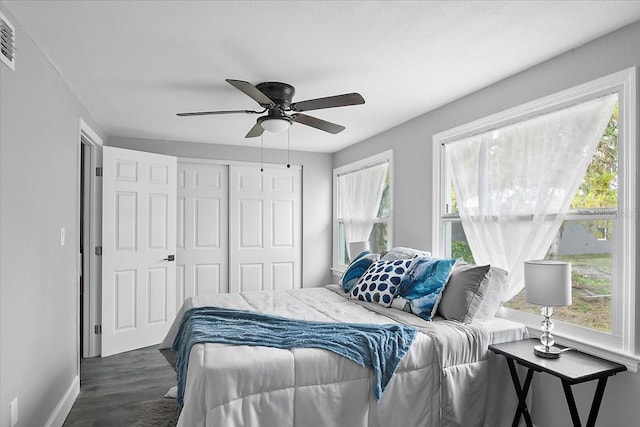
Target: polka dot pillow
{"x": 380, "y": 282}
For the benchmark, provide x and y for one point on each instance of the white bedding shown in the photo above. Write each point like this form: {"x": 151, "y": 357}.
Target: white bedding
{"x": 447, "y": 378}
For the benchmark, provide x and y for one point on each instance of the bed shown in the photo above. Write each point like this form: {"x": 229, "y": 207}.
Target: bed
{"x": 447, "y": 377}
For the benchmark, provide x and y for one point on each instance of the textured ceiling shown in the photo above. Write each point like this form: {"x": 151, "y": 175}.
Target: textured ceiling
{"x": 134, "y": 64}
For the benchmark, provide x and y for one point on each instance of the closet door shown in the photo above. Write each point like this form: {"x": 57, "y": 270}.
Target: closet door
{"x": 202, "y": 235}
{"x": 265, "y": 242}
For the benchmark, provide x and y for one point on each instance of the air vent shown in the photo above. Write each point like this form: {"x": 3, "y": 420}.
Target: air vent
{"x": 7, "y": 42}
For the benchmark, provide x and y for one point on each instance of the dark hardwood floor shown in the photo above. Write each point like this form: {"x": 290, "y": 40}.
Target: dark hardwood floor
{"x": 112, "y": 388}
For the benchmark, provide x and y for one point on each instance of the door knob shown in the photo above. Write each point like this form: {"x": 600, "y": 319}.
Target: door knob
{"x": 170, "y": 258}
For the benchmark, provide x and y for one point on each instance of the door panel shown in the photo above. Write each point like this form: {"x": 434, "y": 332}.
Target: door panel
{"x": 283, "y": 226}
{"x": 265, "y": 228}
{"x": 139, "y": 217}
{"x": 282, "y": 275}
{"x": 207, "y": 223}
{"x": 251, "y": 224}
{"x": 207, "y": 279}
{"x": 202, "y": 254}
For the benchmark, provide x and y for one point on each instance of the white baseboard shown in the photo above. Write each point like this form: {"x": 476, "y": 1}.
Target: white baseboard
{"x": 59, "y": 414}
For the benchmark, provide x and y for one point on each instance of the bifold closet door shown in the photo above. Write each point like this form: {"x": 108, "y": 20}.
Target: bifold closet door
{"x": 202, "y": 236}
{"x": 265, "y": 241}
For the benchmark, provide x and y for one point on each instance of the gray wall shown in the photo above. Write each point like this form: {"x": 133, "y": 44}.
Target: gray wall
{"x": 316, "y": 192}
{"x": 39, "y": 173}
{"x": 39, "y": 138}
{"x": 412, "y": 145}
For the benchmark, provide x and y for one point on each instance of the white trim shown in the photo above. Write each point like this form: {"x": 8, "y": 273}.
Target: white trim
{"x": 364, "y": 163}
{"x": 62, "y": 409}
{"x": 626, "y": 346}
{"x": 437, "y": 231}
{"x": 89, "y": 133}
{"x": 385, "y": 156}
{"x": 538, "y": 106}
{"x": 236, "y": 163}
{"x": 92, "y": 263}
{"x": 629, "y": 209}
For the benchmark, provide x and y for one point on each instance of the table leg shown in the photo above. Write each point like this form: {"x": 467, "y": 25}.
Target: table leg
{"x": 571, "y": 402}
{"x": 597, "y": 399}
{"x": 521, "y": 393}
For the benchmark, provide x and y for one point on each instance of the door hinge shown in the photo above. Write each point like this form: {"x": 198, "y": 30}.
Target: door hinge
{"x": 98, "y": 250}
{"x": 97, "y": 329}
{"x": 99, "y": 171}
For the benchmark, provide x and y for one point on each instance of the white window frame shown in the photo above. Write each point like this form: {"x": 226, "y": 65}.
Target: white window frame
{"x": 385, "y": 156}
{"x": 625, "y": 348}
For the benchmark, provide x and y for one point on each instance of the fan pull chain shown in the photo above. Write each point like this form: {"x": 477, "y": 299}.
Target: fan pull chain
{"x": 261, "y": 153}
{"x": 288, "y": 146}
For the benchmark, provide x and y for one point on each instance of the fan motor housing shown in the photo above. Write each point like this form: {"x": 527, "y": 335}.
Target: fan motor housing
{"x": 280, "y": 93}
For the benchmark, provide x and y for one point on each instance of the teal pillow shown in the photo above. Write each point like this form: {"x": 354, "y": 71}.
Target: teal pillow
{"x": 423, "y": 285}
{"x": 356, "y": 269}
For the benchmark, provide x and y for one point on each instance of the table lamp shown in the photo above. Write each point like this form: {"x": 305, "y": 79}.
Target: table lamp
{"x": 547, "y": 283}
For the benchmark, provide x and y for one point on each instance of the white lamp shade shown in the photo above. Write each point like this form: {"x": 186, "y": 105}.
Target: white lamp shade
{"x": 547, "y": 282}
{"x": 356, "y": 248}
{"x": 275, "y": 125}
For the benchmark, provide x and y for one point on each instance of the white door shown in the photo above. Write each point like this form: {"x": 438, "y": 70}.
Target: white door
{"x": 202, "y": 242}
{"x": 138, "y": 243}
{"x": 265, "y": 228}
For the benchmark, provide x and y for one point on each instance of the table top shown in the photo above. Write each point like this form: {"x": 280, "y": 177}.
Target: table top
{"x": 573, "y": 366}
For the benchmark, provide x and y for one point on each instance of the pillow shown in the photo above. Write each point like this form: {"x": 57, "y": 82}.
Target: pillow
{"x": 380, "y": 282}
{"x": 401, "y": 252}
{"x": 424, "y": 283}
{"x": 494, "y": 296}
{"x": 465, "y": 292}
{"x": 356, "y": 269}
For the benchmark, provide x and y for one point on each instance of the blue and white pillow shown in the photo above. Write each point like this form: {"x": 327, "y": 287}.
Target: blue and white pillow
{"x": 357, "y": 268}
{"x": 424, "y": 283}
{"x": 381, "y": 281}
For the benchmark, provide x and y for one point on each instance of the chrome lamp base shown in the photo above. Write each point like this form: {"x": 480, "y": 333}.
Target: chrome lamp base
{"x": 547, "y": 352}
{"x": 546, "y": 348}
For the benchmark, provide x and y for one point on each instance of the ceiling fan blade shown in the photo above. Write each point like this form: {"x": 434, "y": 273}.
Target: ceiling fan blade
{"x": 256, "y": 130}
{"x": 208, "y": 113}
{"x": 318, "y": 123}
{"x": 251, "y": 91}
{"x": 328, "y": 102}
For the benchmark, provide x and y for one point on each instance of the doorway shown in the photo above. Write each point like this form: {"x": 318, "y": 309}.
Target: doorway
{"x": 89, "y": 217}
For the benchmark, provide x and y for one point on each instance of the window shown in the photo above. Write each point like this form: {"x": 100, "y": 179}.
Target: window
{"x": 362, "y": 201}
{"x": 597, "y": 235}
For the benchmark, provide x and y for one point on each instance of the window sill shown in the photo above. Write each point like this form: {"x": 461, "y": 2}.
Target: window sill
{"x": 602, "y": 350}
{"x": 336, "y": 273}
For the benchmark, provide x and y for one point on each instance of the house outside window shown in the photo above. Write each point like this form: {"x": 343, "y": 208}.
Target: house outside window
{"x": 597, "y": 235}
{"x": 368, "y": 182}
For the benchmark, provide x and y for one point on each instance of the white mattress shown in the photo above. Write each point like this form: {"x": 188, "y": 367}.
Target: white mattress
{"x": 447, "y": 378}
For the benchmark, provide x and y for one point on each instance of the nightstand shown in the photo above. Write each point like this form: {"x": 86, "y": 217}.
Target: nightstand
{"x": 573, "y": 367}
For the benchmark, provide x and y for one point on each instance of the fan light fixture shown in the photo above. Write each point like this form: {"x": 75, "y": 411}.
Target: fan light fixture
{"x": 275, "y": 99}
{"x": 275, "y": 124}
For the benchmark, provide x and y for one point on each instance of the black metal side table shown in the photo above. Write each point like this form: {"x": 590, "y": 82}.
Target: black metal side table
{"x": 573, "y": 367}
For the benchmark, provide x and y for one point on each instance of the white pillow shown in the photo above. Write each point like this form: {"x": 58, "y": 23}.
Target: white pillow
{"x": 494, "y": 295}
{"x": 401, "y": 252}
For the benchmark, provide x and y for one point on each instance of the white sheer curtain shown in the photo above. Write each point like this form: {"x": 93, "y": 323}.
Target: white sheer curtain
{"x": 514, "y": 184}
{"x": 359, "y": 195}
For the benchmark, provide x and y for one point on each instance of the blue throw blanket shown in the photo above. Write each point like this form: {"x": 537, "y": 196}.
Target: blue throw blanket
{"x": 380, "y": 347}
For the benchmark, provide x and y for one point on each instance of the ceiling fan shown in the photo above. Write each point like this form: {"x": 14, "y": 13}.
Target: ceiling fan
{"x": 275, "y": 98}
